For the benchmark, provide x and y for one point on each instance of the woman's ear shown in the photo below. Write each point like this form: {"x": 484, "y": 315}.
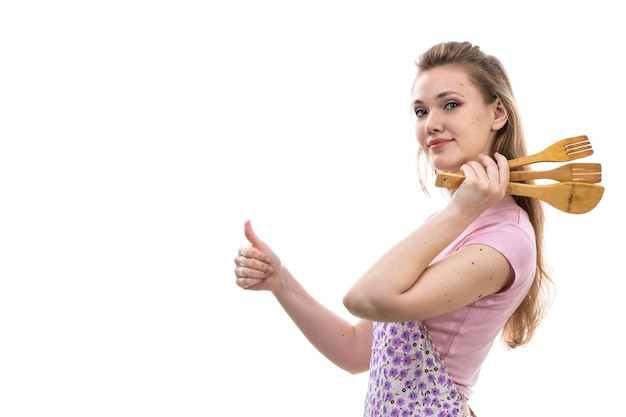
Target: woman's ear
{"x": 500, "y": 116}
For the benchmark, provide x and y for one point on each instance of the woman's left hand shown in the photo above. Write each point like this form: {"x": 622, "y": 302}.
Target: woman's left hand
{"x": 485, "y": 183}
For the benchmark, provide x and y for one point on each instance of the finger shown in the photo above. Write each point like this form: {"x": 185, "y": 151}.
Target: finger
{"x": 475, "y": 169}
{"x": 490, "y": 168}
{"x": 245, "y": 272}
{"x": 247, "y": 283}
{"x": 251, "y": 264}
{"x": 467, "y": 170}
{"x": 503, "y": 167}
{"x": 250, "y": 251}
{"x": 252, "y": 237}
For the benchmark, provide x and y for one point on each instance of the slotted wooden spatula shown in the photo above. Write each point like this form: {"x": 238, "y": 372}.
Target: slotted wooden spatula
{"x": 570, "y": 197}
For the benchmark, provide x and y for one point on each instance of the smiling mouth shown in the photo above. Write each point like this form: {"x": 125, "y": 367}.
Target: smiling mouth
{"x": 437, "y": 143}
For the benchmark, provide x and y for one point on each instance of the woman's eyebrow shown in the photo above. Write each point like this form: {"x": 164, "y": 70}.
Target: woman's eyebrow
{"x": 441, "y": 95}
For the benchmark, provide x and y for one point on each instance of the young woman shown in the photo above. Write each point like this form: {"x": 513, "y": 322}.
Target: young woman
{"x": 431, "y": 307}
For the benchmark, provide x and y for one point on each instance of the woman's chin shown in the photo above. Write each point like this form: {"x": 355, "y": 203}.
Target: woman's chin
{"x": 443, "y": 165}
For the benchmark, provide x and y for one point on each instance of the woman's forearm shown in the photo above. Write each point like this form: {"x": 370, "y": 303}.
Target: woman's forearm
{"x": 399, "y": 269}
{"x": 346, "y": 345}
{"x": 397, "y": 273}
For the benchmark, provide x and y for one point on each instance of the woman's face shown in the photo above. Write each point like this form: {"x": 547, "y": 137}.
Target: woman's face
{"x": 453, "y": 123}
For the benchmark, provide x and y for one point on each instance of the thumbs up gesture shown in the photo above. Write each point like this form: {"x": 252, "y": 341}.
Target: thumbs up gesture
{"x": 256, "y": 264}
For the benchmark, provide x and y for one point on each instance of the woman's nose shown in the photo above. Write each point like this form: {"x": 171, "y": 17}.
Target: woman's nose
{"x": 433, "y": 123}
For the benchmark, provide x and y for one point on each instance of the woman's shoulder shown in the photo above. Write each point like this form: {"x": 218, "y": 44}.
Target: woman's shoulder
{"x": 507, "y": 223}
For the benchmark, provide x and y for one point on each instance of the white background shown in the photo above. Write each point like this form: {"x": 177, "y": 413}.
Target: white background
{"x": 137, "y": 137}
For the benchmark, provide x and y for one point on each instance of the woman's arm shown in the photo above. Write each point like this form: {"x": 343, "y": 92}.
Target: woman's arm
{"x": 401, "y": 286}
{"x": 346, "y": 345}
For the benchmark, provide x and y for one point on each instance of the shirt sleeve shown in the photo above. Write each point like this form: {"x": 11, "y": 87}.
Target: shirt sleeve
{"x": 513, "y": 241}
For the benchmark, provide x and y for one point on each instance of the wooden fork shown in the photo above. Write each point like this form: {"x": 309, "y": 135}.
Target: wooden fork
{"x": 577, "y": 172}
{"x": 563, "y": 150}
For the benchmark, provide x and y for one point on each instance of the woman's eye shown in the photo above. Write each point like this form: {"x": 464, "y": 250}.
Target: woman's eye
{"x": 451, "y": 105}
{"x": 420, "y": 112}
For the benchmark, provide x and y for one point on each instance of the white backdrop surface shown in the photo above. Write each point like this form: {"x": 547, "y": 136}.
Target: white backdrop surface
{"x": 137, "y": 137}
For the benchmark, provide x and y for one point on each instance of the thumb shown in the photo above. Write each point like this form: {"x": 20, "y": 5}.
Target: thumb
{"x": 252, "y": 237}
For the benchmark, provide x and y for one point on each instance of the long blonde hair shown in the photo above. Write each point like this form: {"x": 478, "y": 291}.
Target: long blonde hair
{"x": 490, "y": 77}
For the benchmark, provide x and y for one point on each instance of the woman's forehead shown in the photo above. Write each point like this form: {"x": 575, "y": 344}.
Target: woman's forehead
{"x": 435, "y": 81}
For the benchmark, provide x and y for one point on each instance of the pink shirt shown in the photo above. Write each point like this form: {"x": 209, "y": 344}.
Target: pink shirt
{"x": 464, "y": 337}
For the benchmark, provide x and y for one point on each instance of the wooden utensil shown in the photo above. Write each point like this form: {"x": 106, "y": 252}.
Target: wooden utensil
{"x": 576, "y": 172}
{"x": 570, "y": 196}
{"x": 564, "y": 150}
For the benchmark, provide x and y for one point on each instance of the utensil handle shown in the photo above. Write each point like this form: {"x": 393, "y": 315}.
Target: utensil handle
{"x": 527, "y": 190}
{"x": 526, "y": 175}
{"x": 449, "y": 179}
{"x": 524, "y": 160}
{"x": 454, "y": 180}
{"x": 513, "y": 163}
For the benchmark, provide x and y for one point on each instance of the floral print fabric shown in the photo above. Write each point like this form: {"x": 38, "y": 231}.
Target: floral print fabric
{"x": 407, "y": 377}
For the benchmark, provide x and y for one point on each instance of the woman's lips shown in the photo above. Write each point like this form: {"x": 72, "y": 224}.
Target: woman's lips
{"x": 438, "y": 143}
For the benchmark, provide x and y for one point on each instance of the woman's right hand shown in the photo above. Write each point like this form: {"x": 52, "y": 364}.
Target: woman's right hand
{"x": 256, "y": 265}
{"x": 485, "y": 183}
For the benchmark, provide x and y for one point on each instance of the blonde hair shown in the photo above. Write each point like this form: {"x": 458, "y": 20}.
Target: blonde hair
{"x": 490, "y": 77}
